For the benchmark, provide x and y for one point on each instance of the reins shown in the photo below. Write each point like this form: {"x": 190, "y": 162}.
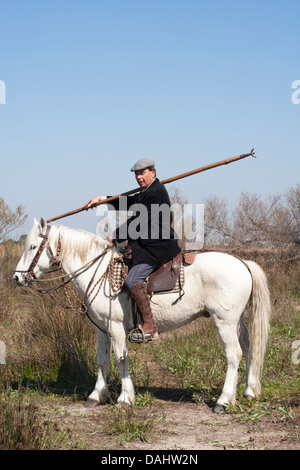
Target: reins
{"x": 71, "y": 277}
{"x": 74, "y": 275}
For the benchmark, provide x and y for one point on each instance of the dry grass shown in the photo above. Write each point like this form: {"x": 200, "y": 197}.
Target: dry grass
{"x": 53, "y": 351}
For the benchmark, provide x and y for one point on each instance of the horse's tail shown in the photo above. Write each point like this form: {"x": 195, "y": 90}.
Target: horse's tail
{"x": 259, "y": 324}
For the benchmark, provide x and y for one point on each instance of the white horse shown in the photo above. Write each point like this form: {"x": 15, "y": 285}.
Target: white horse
{"x": 217, "y": 284}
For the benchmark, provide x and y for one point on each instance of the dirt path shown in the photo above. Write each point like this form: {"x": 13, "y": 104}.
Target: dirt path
{"x": 180, "y": 426}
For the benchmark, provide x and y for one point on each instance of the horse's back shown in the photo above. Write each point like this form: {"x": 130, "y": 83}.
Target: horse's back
{"x": 222, "y": 267}
{"x": 225, "y": 280}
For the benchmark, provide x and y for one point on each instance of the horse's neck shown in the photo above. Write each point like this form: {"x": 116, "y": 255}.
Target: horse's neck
{"x": 74, "y": 260}
{"x": 74, "y": 263}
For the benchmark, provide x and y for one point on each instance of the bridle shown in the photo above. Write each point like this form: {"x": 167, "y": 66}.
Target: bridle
{"x": 29, "y": 274}
{"x": 91, "y": 289}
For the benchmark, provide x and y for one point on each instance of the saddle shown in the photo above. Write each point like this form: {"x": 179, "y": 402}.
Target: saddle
{"x": 165, "y": 276}
{"x": 168, "y": 277}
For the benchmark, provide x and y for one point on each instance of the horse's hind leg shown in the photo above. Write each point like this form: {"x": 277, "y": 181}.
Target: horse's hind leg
{"x": 100, "y": 392}
{"x": 243, "y": 335}
{"x": 233, "y": 352}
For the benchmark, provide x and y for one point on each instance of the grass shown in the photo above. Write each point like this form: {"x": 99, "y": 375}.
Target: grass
{"x": 129, "y": 425}
{"x": 51, "y": 351}
{"x": 190, "y": 361}
{"x": 23, "y": 425}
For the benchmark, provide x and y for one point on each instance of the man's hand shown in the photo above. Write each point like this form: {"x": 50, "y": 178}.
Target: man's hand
{"x": 93, "y": 202}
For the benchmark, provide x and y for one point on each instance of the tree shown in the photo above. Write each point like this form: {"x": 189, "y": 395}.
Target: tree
{"x": 218, "y": 223}
{"x": 293, "y": 201}
{"x": 270, "y": 224}
{"x": 10, "y": 220}
{"x": 188, "y": 226}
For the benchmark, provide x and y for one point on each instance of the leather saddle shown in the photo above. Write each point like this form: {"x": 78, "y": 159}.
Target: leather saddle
{"x": 165, "y": 276}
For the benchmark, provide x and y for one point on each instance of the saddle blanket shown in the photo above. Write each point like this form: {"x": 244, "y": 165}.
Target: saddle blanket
{"x": 117, "y": 273}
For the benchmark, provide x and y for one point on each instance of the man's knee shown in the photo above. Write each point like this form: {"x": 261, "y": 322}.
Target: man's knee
{"x": 138, "y": 273}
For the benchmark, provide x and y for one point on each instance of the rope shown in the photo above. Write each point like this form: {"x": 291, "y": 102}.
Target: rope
{"x": 75, "y": 274}
{"x": 84, "y": 304}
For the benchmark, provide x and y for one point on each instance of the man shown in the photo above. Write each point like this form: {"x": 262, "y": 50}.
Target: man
{"x": 147, "y": 251}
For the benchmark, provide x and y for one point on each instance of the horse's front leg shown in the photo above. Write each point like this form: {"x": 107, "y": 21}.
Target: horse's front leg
{"x": 100, "y": 392}
{"x": 118, "y": 337}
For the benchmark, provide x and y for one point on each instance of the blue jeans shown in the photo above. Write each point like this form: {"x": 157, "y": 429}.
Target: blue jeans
{"x": 138, "y": 273}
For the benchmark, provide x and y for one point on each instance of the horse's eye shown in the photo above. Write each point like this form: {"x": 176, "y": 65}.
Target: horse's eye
{"x": 33, "y": 247}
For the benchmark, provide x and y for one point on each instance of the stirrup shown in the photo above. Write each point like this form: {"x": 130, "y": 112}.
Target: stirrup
{"x": 138, "y": 336}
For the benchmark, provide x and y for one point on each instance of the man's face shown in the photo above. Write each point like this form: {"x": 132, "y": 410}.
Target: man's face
{"x": 144, "y": 177}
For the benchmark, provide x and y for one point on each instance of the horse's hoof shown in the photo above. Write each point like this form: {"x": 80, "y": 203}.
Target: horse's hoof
{"x": 219, "y": 409}
{"x": 249, "y": 397}
{"x": 123, "y": 404}
{"x": 91, "y": 403}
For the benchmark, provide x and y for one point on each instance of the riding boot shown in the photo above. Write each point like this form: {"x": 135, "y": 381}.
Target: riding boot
{"x": 149, "y": 330}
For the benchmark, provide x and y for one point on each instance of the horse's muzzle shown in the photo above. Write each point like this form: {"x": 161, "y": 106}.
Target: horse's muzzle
{"x": 21, "y": 280}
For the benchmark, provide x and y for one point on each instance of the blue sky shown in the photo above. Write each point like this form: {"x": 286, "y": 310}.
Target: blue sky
{"x": 92, "y": 86}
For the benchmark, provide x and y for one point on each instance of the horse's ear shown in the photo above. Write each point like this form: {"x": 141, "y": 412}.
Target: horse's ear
{"x": 43, "y": 224}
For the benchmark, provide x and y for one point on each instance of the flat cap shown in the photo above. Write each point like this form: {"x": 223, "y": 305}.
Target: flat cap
{"x": 142, "y": 164}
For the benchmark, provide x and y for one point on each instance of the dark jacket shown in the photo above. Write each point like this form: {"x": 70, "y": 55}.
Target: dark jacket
{"x": 156, "y": 242}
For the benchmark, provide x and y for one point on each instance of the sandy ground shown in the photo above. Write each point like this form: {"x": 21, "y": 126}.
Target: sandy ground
{"x": 182, "y": 426}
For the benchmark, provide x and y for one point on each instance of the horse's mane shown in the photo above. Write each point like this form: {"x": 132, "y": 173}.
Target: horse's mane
{"x": 79, "y": 242}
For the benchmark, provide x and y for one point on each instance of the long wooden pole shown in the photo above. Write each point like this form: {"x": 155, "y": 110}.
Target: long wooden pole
{"x": 166, "y": 181}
